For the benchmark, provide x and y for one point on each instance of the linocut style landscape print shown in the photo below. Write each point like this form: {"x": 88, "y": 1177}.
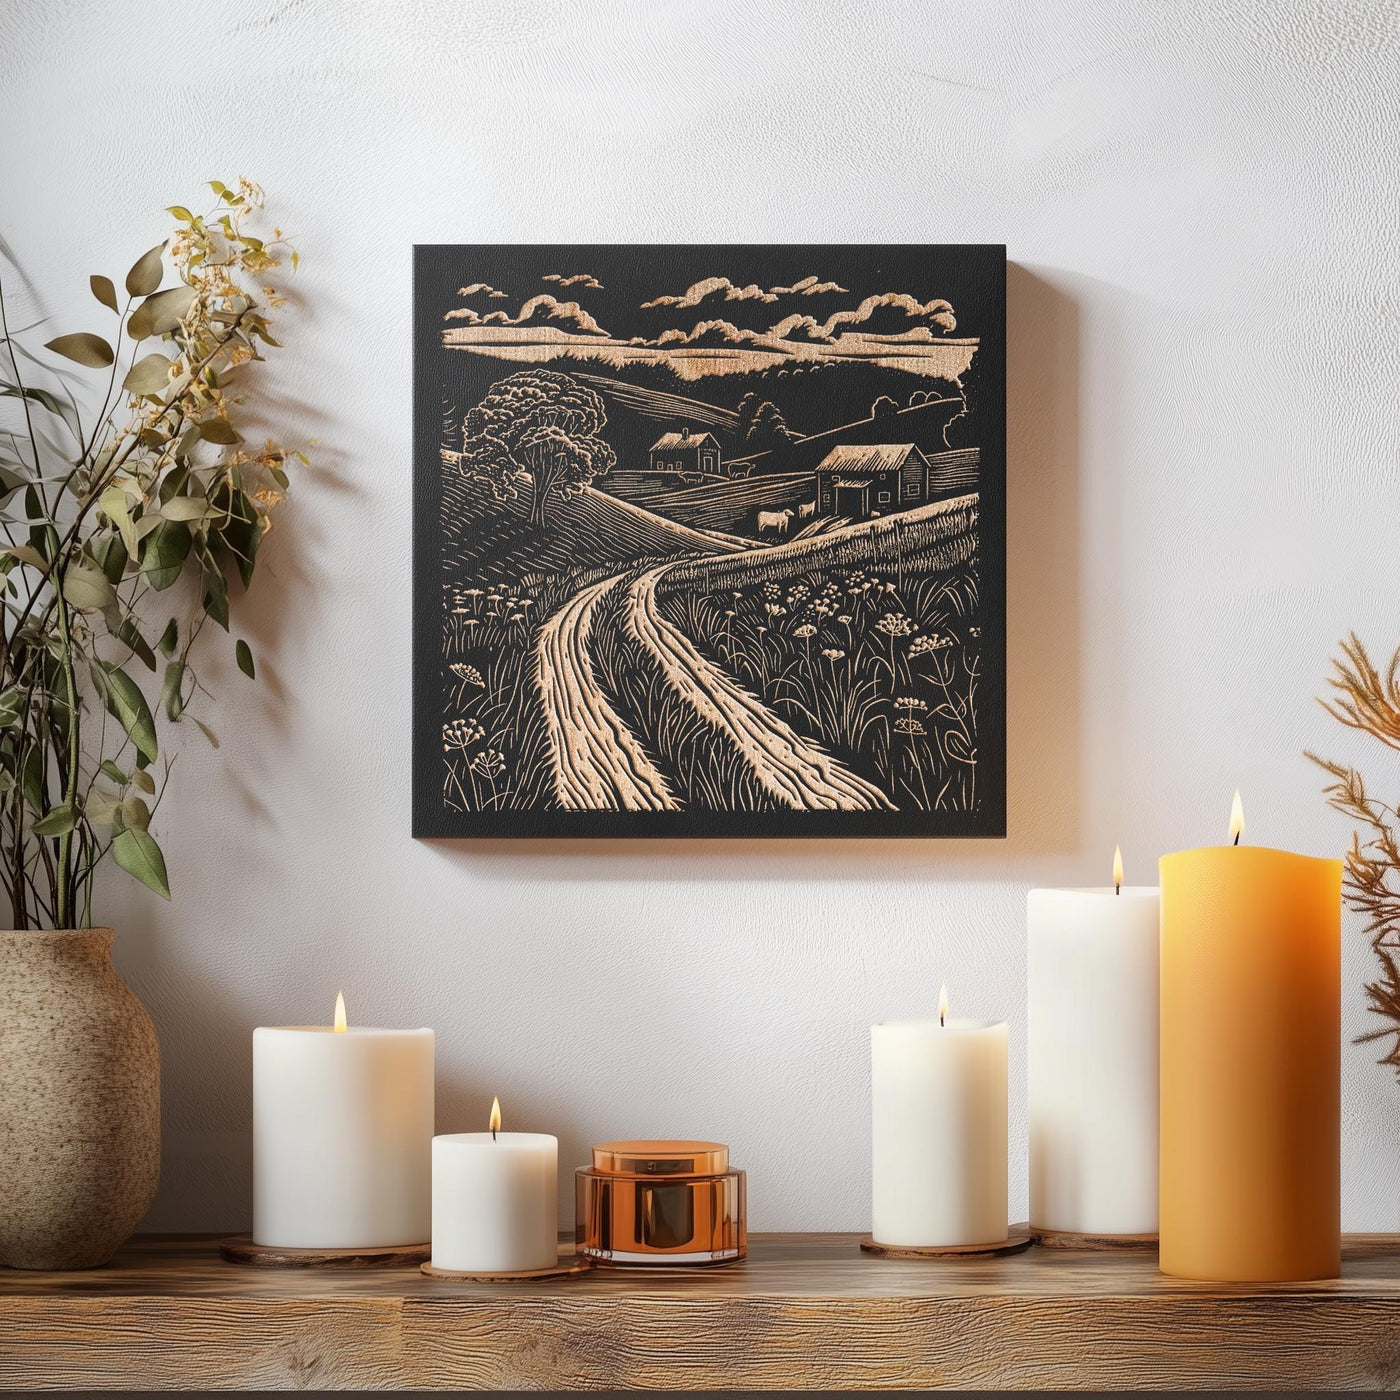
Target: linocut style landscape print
{"x": 709, "y": 541}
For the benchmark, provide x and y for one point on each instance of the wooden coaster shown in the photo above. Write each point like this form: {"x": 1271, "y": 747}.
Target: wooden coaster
{"x": 1070, "y": 1239}
{"x": 240, "y": 1249}
{"x": 568, "y": 1265}
{"x": 1018, "y": 1237}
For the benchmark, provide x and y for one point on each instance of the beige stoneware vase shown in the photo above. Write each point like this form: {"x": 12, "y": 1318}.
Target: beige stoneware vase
{"x": 79, "y": 1101}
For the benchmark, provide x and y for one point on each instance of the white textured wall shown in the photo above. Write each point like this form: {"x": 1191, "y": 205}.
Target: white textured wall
{"x": 1201, "y": 200}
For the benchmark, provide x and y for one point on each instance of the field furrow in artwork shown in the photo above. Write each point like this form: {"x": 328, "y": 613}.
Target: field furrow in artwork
{"x": 796, "y": 772}
{"x": 596, "y": 761}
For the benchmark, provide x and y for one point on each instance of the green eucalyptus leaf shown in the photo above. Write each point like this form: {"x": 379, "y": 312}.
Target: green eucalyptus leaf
{"x": 59, "y": 822}
{"x": 146, "y": 273}
{"x": 219, "y": 431}
{"x": 104, "y": 291}
{"x": 241, "y": 532}
{"x": 88, "y": 590}
{"x": 11, "y": 706}
{"x": 129, "y": 708}
{"x": 185, "y": 446}
{"x": 149, "y": 375}
{"x": 116, "y": 506}
{"x": 84, "y": 348}
{"x": 173, "y": 482}
{"x": 216, "y": 597}
{"x": 129, "y": 633}
{"x": 111, "y": 555}
{"x": 169, "y": 639}
{"x": 163, "y": 553}
{"x": 245, "y": 659}
{"x": 42, "y": 538}
{"x": 135, "y": 814}
{"x": 43, "y": 397}
{"x": 26, "y": 554}
{"x": 31, "y": 780}
{"x": 161, "y": 313}
{"x": 114, "y": 773}
{"x": 103, "y": 808}
{"x": 137, "y": 853}
{"x": 186, "y": 508}
{"x": 144, "y": 781}
{"x": 170, "y": 690}
{"x": 208, "y": 733}
{"x": 180, "y": 212}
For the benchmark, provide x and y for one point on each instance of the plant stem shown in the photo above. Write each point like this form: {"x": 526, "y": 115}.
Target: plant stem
{"x": 65, "y": 842}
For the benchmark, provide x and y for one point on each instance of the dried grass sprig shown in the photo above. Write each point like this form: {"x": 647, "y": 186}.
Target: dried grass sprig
{"x": 1370, "y": 702}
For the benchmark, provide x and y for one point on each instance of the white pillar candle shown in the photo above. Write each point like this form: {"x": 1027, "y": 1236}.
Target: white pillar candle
{"x": 1092, "y": 959}
{"x": 495, "y": 1201}
{"x": 342, "y": 1135}
{"x": 939, "y": 1131}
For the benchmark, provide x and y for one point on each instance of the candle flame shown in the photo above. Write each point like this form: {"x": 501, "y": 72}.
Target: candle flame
{"x": 340, "y": 1022}
{"x": 495, "y": 1124}
{"x": 1236, "y": 819}
{"x": 942, "y": 1003}
{"x": 1118, "y": 867}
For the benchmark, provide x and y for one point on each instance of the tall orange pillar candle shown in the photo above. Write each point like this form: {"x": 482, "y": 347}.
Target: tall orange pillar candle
{"x": 1250, "y": 1064}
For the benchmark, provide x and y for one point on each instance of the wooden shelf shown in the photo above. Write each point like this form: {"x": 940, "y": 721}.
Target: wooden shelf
{"x": 804, "y": 1312}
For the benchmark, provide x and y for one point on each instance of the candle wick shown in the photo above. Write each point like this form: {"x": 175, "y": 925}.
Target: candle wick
{"x": 1117, "y": 888}
{"x": 940, "y": 1018}
{"x": 493, "y": 1135}
{"x": 1237, "y": 838}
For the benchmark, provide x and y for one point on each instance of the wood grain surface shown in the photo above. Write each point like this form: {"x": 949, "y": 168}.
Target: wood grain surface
{"x": 802, "y": 1312}
{"x": 240, "y": 1249}
{"x": 1018, "y": 1238}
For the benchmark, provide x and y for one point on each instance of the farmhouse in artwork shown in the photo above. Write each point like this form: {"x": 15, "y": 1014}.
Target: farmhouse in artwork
{"x": 685, "y": 451}
{"x": 861, "y": 481}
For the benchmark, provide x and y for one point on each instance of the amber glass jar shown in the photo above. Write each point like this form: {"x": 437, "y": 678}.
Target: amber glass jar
{"x": 660, "y": 1203}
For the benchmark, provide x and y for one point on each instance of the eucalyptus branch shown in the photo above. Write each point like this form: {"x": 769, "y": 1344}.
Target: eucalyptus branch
{"x": 171, "y": 492}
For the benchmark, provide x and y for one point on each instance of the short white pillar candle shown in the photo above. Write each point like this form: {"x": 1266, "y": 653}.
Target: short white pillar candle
{"x": 342, "y": 1134}
{"x": 1092, "y": 963}
{"x": 495, "y": 1201}
{"x": 939, "y": 1132}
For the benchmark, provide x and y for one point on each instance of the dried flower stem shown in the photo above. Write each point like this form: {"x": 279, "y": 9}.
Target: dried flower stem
{"x": 1366, "y": 700}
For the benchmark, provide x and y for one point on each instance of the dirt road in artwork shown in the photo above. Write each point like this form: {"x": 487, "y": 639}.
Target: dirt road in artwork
{"x": 596, "y": 760}
{"x": 600, "y": 765}
{"x": 793, "y": 770}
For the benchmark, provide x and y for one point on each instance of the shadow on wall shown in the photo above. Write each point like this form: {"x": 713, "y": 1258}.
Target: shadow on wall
{"x": 1042, "y": 549}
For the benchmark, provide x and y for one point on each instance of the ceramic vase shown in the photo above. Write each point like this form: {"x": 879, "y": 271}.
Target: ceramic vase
{"x": 79, "y": 1101}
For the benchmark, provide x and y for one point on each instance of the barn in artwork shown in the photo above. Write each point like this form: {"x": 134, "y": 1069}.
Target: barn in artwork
{"x": 860, "y": 481}
{"x": 685, "y": 451}
{"x": 709, "y": 541}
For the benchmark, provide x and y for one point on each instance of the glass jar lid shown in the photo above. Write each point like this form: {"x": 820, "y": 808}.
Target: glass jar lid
{"x": 661, "y": 1157}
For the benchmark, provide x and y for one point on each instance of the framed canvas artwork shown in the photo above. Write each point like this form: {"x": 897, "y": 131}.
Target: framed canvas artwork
{"x": 709, "y": 541}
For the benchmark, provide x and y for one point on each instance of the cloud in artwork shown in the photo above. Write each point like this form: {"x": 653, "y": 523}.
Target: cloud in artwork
{"x": 581, "y": 279}
{"x": 706, "y": 333}
{"x": 711, "y": 289}
{"x": 536, "y": 312}
{"x": 892, "y": 313}
{"x": 473, "y": 289}
{"x": 807, "y": 287}
{"x": 801, "y": 328}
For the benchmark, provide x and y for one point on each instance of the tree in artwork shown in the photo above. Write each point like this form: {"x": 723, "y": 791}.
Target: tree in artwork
{"x": 540, "y": 424}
